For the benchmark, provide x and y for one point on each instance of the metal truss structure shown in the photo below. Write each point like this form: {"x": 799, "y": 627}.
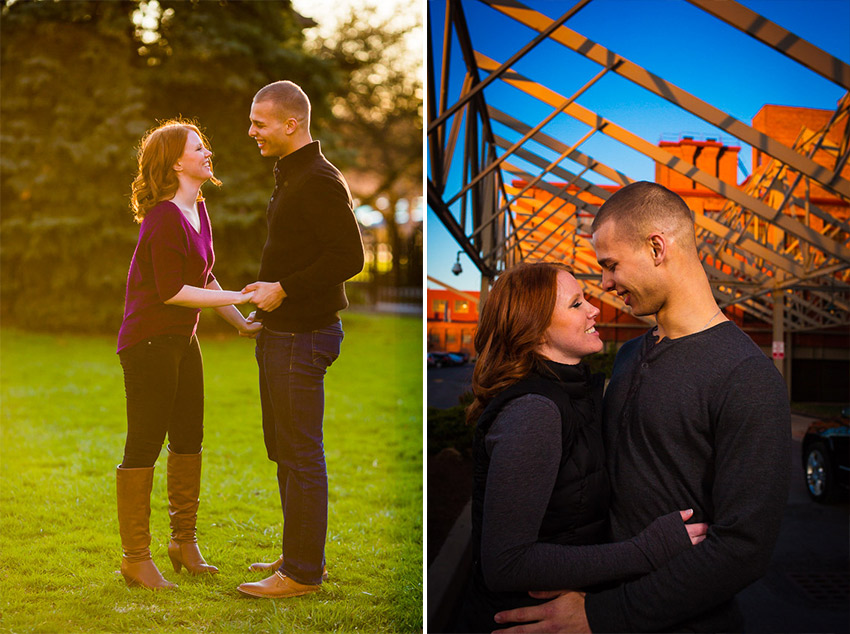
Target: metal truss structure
{"x": 769, "y": 251}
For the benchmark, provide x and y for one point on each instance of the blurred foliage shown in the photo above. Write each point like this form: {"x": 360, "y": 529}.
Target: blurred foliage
{"x": 448, "y": 428}
{"x": 81, "y": 81}
{"x": 381, "y": 108}
{"x": 818, "y": 410}
{"x": 602, "y": 362}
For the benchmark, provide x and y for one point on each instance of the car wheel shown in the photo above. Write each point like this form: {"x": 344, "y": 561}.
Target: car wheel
{"x": 820, "y": 478}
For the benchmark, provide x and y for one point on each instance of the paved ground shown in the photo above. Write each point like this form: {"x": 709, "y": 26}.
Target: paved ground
{"x": 445, "y": 385}
{"x": 807, "y": 588}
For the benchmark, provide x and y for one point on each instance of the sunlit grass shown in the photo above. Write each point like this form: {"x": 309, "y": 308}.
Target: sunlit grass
{"x": 63, "y": 427}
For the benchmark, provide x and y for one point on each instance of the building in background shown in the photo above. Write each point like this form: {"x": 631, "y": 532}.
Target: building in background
{"x": 452, "y": 320}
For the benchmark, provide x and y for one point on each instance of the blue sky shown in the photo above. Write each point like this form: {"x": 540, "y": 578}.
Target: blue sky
{"x": 670, "y": 38}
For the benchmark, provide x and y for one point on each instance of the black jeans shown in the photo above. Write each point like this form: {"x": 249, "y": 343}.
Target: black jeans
{"x": 164, "y": 383}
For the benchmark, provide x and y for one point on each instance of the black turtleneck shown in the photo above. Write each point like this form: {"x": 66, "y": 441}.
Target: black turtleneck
{"x": 313, "y": 244}
{"x": 540, "y": 502}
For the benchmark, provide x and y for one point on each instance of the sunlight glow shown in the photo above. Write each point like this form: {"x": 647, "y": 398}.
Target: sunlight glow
{"x": 330, "y": 13}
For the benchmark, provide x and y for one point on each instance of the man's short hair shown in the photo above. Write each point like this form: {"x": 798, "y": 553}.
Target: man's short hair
{"x": 288, "y": 98}
{"x": 643, "y": 207}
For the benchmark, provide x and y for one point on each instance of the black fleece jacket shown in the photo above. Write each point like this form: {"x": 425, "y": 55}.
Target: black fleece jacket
{"x": 313, "y": 244}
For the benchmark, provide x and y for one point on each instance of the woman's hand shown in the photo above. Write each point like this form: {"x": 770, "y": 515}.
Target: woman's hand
{"x": 243, "y": 297}
{"x": 250, "y": 326}
{"x": 251, "y": 329}
{"x": 695, "y": 531}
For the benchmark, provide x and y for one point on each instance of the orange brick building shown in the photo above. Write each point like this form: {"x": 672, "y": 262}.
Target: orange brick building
{"x": 452, "y": 320}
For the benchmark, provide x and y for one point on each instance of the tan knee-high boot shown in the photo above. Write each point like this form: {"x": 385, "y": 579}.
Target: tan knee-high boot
{"x": 133, "y": 487}
{"x": 184, "y": 488}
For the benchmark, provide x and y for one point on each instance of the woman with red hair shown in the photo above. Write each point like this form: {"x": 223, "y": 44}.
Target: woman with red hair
{"x": 169, "y": 281}
{"x": 540, "y": 490}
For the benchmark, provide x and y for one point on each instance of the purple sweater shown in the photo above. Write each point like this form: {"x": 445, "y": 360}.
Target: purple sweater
{"x": 169, "y": 255}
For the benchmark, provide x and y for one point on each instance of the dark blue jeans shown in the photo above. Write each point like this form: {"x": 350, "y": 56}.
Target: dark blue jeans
{"x": 292, "y": 393}
{"x": 164, "y": 383}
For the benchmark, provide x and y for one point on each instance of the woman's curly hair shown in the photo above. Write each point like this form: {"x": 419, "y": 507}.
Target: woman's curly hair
{"x": 159, "y": 150}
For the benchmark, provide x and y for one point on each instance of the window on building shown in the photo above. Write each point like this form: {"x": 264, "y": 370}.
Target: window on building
{"x": 434, "y": 338}
{"x": 461, "y": 306}
{"x": 439, "y": 307}
{"x": 451, "y": 337}
{"x": 466, "y": 337}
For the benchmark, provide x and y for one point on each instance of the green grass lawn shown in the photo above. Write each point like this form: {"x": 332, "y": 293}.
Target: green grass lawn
{"x": 63, "y": 429}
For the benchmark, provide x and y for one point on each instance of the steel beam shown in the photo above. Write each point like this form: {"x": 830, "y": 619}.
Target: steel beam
{"x": 531, "y": 132}
{"x": 702, "y": 221}
{"x": 660, "y": 155}
{"x": 481, "y": 85}
{"x": 765, "y": 283}
{"x": 554, "y": 144}
{"x": 664, "y": 89}
{"x": 477, "y": 105}
{"x": 435, "y": 143}
{"x": 445, "y": 215}
{"x": 776, "y": 37}
{"x": 745, "y": 266}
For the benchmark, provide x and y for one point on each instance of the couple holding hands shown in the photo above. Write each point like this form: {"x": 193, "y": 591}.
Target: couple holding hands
{"x": 313, "y": 247}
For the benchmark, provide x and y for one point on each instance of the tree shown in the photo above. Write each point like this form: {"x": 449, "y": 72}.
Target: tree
{"x": 380, "y": 110}
{"x": 71, "y": 116}
{"x": 81, "y": 82}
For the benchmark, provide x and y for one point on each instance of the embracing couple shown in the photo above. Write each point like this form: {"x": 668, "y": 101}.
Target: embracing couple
{"x": 313, "y": 247}
{"x": 643, "y": 511}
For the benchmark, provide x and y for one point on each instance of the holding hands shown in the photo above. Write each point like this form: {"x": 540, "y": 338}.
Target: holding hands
{"x": 248, "y": 327}
{"x": 242, "y": 297}
{"x": 266, "y": 296}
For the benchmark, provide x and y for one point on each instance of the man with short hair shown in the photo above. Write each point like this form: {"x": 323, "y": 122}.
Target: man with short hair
{"x": 695, "y": 416}
{"x": 313, "y": 247}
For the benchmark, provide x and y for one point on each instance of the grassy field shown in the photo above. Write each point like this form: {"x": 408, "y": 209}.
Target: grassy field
{"x": 63, "y": 428}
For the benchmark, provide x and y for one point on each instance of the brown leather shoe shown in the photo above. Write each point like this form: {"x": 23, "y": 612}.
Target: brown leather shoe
{"x": 275, "y": 565}
{"x": 259, "y": 566}
{"x": 278, "y": 586}
{"x": 133, "y": 488}
{"x": 184, "y": 488}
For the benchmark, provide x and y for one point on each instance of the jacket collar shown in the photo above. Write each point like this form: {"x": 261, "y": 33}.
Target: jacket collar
{"x": 579, "y": 373}
{"x": 302, "y": 156}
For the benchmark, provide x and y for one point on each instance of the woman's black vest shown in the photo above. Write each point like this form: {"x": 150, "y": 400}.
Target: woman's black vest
{"x": 577, "y": 512}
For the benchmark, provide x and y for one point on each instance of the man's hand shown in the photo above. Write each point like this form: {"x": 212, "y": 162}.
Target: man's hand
{"x": 267, "y": 295}
{"x": 564, "y": 614}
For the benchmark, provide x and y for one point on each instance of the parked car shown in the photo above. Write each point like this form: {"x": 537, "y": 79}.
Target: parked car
{"x": 446, "y": 359}
{"x": 826, "y": 457}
